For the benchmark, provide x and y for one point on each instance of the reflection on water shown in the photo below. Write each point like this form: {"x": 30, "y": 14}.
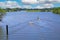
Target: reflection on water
{"x": 1, "y": 15}
{"x": 1, "y": 33}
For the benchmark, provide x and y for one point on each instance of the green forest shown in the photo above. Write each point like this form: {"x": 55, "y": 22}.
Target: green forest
{"x": 54, "y": 10}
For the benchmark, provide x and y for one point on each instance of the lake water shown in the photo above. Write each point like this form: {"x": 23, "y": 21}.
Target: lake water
{"x": 30, "y": 26}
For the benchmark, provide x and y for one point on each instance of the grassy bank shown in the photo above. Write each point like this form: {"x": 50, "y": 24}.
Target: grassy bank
{"x": 2, "y": 12}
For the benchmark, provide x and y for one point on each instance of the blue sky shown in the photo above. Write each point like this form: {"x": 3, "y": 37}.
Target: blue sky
{"x": 34, "y": 4}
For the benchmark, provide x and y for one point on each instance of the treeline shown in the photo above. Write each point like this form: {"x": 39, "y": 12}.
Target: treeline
{"x": 13, "y": 9}
{"x": 9, "y": 10}
{"x": 56, "y": 10}
{"x": 39, "y": 10}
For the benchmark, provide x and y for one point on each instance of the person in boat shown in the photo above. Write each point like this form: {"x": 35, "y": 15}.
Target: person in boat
{"x": 31, "y": 23}
{"x": 38, "y": 18}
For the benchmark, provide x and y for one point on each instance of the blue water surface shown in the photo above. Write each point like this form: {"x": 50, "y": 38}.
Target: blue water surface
{"x": 32, "y": 25}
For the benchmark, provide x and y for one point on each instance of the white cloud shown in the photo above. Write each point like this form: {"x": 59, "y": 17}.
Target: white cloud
{"x": 41, "y": 1}
{"x": 2, "y": 4}
{"x": 49, "y": 1}
{"x": 45, "y": 6}
{"x": 12, "y": 4}
{"x": 54, "y": 1}
{"x": 48, "y": 5}
{"x": 57, "y": 1}
{"x": 29, "y": 1}
{"x": 18, "y": 6}
{"x": 39, "y": 7}
{"x": 9, "y": 4}
{"x": 27, "y": 6}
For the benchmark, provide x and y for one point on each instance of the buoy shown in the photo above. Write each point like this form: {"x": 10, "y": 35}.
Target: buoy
{"x": 7, "y": 29}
